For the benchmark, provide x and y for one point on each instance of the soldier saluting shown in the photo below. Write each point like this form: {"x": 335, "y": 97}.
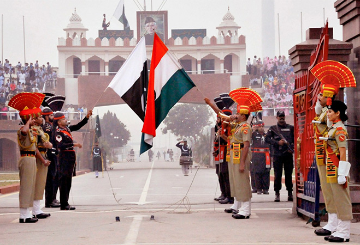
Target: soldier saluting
{"x": 67, "y": 157}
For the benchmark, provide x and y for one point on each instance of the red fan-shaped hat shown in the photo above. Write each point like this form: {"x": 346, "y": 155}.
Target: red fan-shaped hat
{"x": 248, "y": 100}
{"x": 27, "y": 104}
{"x": 333, "y": 75}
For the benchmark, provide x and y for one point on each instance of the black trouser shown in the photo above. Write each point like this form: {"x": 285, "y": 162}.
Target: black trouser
{"x": 66, "y": 167}
{"x": 217, "y": 169}
{"x": 286, "y": 161}
{"x": 252, "y": 177}
{"x": 224, "y": 179}
{"x": 262, "y": 180}
{"x": 52, "y": 182}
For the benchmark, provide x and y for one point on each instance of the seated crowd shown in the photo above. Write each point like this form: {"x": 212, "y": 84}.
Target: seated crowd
{"x": 276, "y": 76}
{"x": 23, "y": 78}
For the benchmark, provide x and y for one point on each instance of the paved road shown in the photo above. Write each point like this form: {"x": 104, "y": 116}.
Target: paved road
{"x": 135, "y": 191}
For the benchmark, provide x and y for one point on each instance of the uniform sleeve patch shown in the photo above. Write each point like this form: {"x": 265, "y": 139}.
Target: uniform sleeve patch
{"x": 246, "y": 131}
{"x": 340, "y": 132}
{"x": 342, "y": 138}
{"x": 58, "y": 138}
{"x": 339, "y": 128}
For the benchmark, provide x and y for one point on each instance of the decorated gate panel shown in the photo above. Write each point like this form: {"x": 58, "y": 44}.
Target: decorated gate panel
{"x": 305, "y": 96}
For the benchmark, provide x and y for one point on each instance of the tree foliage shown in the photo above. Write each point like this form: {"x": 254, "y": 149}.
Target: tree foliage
{"x": 187, "y": 120}
{"x": 202, "y": 149}
{"x": 113, "y": 131}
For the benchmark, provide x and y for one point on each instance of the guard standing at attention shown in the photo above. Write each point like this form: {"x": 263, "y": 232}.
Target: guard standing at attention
{"x": 52, "y": 103}
{"x": 67, "y": 157}
{"x": 41, "y": 169}
{"x": 28, "y": 106}
{"x": 281, "y": 137}
{"x": 341, "y": 77}
{"x": 260, "y": 159}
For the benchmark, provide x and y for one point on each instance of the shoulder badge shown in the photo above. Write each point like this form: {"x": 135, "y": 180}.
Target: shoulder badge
{"x": 342, "y": 138}
{"x": 339, "y": 128}
{"x": 58, "y": 138}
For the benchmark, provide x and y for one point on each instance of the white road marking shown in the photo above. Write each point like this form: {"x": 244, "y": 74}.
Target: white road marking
{"x": 144, "y": 193}
{"x": 132, "y": 235}
{"x": 175, "y": 187}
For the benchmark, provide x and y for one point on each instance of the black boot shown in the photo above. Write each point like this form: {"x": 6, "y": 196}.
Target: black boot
{"x": 277, "y": 197}
{"x": 290, "y": 196}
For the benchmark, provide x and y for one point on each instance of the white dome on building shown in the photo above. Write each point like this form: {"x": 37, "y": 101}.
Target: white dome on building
{"x": 228, "y": 26}
{"x": 75, "y": 28}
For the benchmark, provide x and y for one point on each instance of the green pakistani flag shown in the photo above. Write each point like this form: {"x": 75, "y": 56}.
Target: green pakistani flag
{"x": 97, "y": 127}
{"x": 119, "y": 14}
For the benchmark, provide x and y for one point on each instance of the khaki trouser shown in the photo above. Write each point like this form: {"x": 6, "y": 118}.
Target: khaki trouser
{"x": 27, "y": 174}
{"x": 326, "y": 190}
{"x": 40, "y": 183}
{"x": 342, "y": 201}
{"x": 240, "y": 182}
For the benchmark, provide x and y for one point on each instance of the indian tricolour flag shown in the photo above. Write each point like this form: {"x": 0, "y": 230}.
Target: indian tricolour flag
{"x": 169, "y": 82}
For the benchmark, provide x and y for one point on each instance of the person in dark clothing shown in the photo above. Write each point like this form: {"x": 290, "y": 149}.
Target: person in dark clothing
{"x": 67, "y": 156}
{"x": 150, "y": 154}
{"x": 260, "y": 159}
{"x": 97, "y": 161}
{"x": 185, "y": 158}
{"x": 281, "y": 137}
{"x": 51, "y": 178}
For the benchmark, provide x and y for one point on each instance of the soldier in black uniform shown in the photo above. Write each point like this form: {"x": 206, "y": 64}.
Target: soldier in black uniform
{"x": 281, "y": 137}
{"x": 52, "y": 103}
{"x": 97, "y": 161}
{"x": 51, "y": 178}
{"x": 260, "y": 159}
{"x": 67, "y": 156}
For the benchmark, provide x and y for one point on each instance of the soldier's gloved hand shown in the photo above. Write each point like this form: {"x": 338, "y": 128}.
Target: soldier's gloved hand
{"x": 341, "y": 179}
{"x": 318, "y": 107}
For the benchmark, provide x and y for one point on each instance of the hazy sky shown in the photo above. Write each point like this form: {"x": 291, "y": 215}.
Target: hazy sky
{"x": 45, "y": 20}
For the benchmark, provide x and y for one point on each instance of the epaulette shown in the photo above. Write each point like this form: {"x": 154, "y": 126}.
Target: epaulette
{"x": 339, "y": 128}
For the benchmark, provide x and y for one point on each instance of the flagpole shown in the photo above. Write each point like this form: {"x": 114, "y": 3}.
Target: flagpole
{"x": 24, "y": 38}
{"x": 2, "y": 39}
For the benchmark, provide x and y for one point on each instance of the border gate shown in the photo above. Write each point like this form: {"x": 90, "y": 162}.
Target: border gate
{"x": 305, "y": 96}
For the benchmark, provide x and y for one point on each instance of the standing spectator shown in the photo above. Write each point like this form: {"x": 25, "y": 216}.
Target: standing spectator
{"x": 36, "y": 64}
{"x": 54, "y": 77}
{"x": 48, "y": 68}
{"x": 150, "y": 154}
{"x": 248, "y": 66}
{"x": 97, "y": 161}
{"x": 71, "y": 111}
{"x": 158, "y": 155}
{"x": 18, "y": 66}
{"x": 22, "y": 77}
{"x": 281, "y": 137}
{"x": 31, "y": 75}
{"x": 132, "y": 155}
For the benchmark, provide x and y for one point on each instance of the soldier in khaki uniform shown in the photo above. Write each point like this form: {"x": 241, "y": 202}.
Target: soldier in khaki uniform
{"x": 331, "y": 74}
{"x": 248, "y": 101}
{"x": 337, "y": 171}
{"x": 42, "y": 169}
{"x": 27, "y": 141}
